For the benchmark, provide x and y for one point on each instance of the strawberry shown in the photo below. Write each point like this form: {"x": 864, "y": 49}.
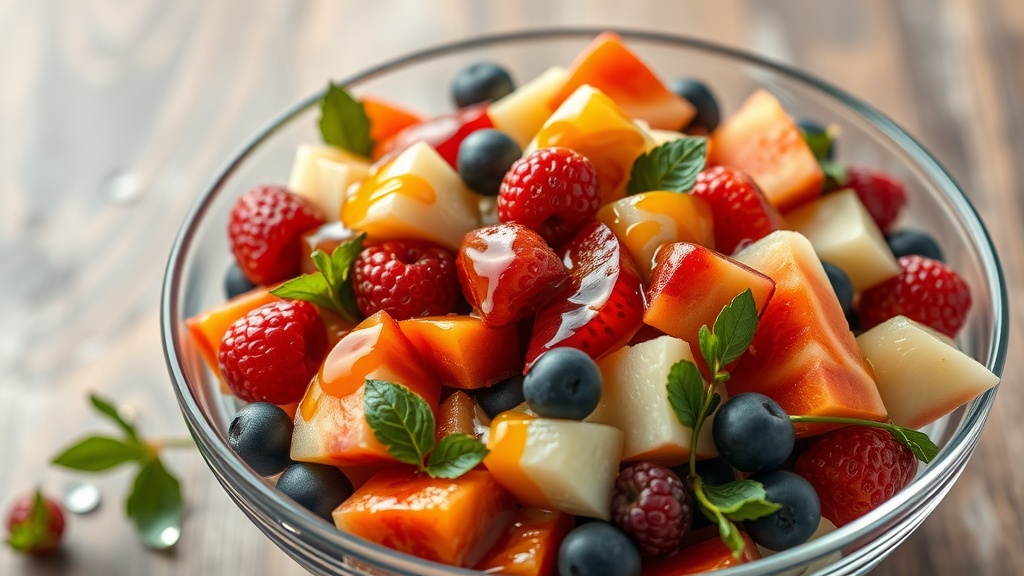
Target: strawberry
{"x": 740, "y": 211}
{"x": 925, "y": 290}
{"x": 265, "y": 232}
{"x": 443, "y": 133}
{"x": 35, "y": 524}
{"x": 854, "y": 469}
{"x": 272, "y": 353}
{"x": 405, "y": 278}
{"x": 602, "y": 305}
{"x": 881, "y": 194}
{"x": 553, "y": 191}
{"x": 507, "y": 271}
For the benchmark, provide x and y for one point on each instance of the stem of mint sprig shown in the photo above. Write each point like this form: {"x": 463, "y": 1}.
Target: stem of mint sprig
{"x": 155, "y": 501}
{"x": 918, "y": 442}
{"x": 331, "y": 287}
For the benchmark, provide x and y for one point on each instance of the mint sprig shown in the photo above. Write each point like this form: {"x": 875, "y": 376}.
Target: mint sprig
{"x": 403, "y": 422}
{"x": 155, "y": 502}
{"x": 36, "y": 531}
{"x": 343, "y": 121}
{"x": 673, "y": 166}
{"x": 918, "y": 442}
{"x": 820, "y": 143}
{"x": 331, "y": 287}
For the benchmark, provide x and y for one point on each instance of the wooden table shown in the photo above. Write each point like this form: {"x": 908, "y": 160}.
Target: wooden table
{"x": 113, "y": 115}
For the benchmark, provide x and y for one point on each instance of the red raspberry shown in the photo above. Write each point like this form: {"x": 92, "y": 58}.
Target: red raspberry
{"x": 652, "y": 505}
{"x": 265, "y": 231}
{"x": 35, "y": 524}
{"x": 272, "y": 353}
{"x": 854, "y": 469}
{"x": 406, "y": 279}
{"x": 880, "y": 193}
{"x": 926, "y": 290}
{"x": 552, "y": 191}
{"x": 740, "y": 211}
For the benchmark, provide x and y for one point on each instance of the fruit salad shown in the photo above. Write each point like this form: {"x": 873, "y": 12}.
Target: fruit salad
{"x": 590, "y": 324}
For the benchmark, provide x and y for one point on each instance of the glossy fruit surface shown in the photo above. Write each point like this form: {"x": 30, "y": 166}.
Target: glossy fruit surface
{"x": 706, "y": 555}
{"x": 883, "y": 195}
{"x": 798, "y": 518}
{"x": 480, "y": 82}
{"x": 463, "y": 351}
{"x": 484, "y": 158}
{"x": 442, "y": 133}
{"x": 910, "y": 242}
{"x": 530, "y": 545}
{"x": 741, "y": 212}
{"x": 316, "y": 487}
{"x": 563, "y": 383}
{"x": 405, "y": 278}
{"x": 598, "y": 549}
{"x": 752, "y": 433}
{"x": 926, "y": 291}
{"x": 261, "y": 435}
{"x": 697, "y": 93}
{"x": 35, "y": 524}
{"x": 653, "y": 506}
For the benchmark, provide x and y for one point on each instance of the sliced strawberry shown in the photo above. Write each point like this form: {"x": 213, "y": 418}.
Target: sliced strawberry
{"x": 443, "y": 133}
{"x": 602, "y": 305}
{"x": 740, "y": 211}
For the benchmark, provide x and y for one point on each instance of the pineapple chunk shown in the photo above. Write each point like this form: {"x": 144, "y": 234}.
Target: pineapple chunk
{"x": 323, "y": 173}
{"x": 522, "y": 113}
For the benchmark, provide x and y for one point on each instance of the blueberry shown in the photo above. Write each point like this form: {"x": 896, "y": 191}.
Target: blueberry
{"x": 235, "y": 282}
{"x": 798, "y": 518}
{"x": 504, "y": 395}
{"x": 698, "y": 94}
{"x": 908, "y": 242}
{"x": 753, "y": 433}
{"x": 809, "y": 127}
{"x": 841, "y": 285}
{"x": 480, "y": 82}
{"x": 317, "y": 487}
{"x": 598, "y": 549}
{"x": 484, "y": 157}
{"x": 261, "y": 435}
{"x": 563, "y": 383}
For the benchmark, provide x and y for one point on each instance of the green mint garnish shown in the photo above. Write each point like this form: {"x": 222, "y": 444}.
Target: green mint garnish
{"x": 673, "y": 166}
{"x": 740, "y": 500}
{"x": 331, "y": 287}
{"x": 403, "y": 422}
{"x": 820, "y": 144}
{"x": 918, "y": 442}
{"x": 155, "y": 502}
{"x": 343, "y": 121}
{"x": 34, "y": 532}
{"x": 836, "y": 174}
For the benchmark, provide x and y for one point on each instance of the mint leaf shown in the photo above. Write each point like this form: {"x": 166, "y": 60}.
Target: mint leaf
{"x": 331, "y": 287}
{"x": 400, "y": 419}
{"x": 155, "y": 506}
{"x": 836, "y": 174}
{"x": 673, "y": 166}
{"x": 343, "y": 121}
{"x": 735, "y": 327}
{"x": 708, "y": 343}
{"x": 686, "y": 392}
{"x": 918, "y": 442}
{"x": 312, "y": 288}
{"x": 109, "y": 410}
{"x": 455, "y": 455}
{"x": 98, "y": 453}
{"x": 819, "y": 142}
{"x": 740, "y": 500}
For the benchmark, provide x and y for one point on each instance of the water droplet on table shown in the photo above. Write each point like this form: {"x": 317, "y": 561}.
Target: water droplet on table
{"x": 82, "y": 497}
{"x": 169, "y": 537}
{"x": 124, "y": 187}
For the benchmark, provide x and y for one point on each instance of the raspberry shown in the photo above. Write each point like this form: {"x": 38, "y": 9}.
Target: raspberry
{"x": 854, "y": 469}
{"x": 880, "y": 193}
{"x": 406, "y": 279}
{"x": 651, "y": 504}
{"x": 926, "y": 290}
{"x": 265, "y": 232}
{"x": 35, "y": 524}
{"x": 740, "y": 211}
{"x": 272, "y": 353}
{"x": 553, "y": 191}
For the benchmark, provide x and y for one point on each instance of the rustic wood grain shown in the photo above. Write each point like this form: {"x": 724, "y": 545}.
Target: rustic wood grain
{"x": 114, "y": 114}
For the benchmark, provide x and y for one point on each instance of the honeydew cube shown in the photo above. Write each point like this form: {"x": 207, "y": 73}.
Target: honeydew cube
{"x": 843, "y": 233}
{"x": 323, "y": 173}
{"x": 920, "y": 375}
{"x": 634, "y": 399}
{"x": 522, "y": 113}
{"x": 416, "y": 195}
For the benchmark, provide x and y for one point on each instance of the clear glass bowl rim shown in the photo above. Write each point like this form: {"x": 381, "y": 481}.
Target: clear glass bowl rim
{"x": 261, "y": 499}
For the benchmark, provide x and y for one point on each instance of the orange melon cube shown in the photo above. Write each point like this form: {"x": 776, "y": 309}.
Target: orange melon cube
{"x": 704, "y": 556}
{"x": 465, "y": 352}
{"x": 387, "y": 119}
{"x": 530, "y": 545}
{"x": 456, "y": 415}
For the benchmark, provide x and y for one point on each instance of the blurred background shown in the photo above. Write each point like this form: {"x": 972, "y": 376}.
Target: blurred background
{"x": 114, "y": 114}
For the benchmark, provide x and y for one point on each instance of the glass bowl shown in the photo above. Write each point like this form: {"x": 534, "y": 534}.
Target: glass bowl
{"x": 936, "y": 204}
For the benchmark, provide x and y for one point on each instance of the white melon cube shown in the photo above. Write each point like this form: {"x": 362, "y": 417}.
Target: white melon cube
{"x": 522, "y": 113}
{"x": 921, "y": 376}
{"x": 323, "y": 173}
{"x": 635, "y": 400}
{"x": 843, "y": 233}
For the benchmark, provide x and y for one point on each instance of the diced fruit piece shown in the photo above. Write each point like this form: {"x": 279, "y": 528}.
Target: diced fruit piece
{"x": 265, "y": 232}
{"x": 691, "y": 284}
{"x": 322, "y": 174}
{"x": 207, "y": 329}
{"x": 456, "y": 415}
{"x": 505, "y": 395}
{"x": 926, "y": 291}
{"x": 530, "y": 545}
{"x": 598, "y": 548}
{"x": 882, "y": 195}
{"x": 317, "y": 487}
{"x": 634, "y": 400}
{"x": 602, "y": 305}
{"x": 706, "y": 114}
{"x": 261, "y": 435}
{"x": 406, "y": 279}
{"x": 480, "y": 82}
{"x": 645, "y": 222}
{"x": 591, "y": 124}
{"x": 555, "y": 464}
{"x": 271, "y": 353}
{"x": 740, "y": 211}
{"x": 563, "y": 383}
{"x": 387, "y": 118}
{"x": 507, "y": 271}
{"x": 854, "y": 469}
{"x": 763, "y": 141}
{"x": 416, "y": 195}
{"x": 451, "y": 521}
{"x": 484, "y": 158}
{"x": 843, "y": 233}
{"x": 523, "y": 112}
{"x": 442, "y": 133}
{"x": 611, "y": 67}
{"x": 753, "y": 434}
{"x": 651, "y": 504}
{"x": 803, "y": 354}
{"x": 707, "y": 555}
{"x": 908, "y": 242}
{"x": 330, "y": 424}
{"x": 463, "y": 351}
{"x": 798, "y": 518}
{"x": 920, "y": 374}
{"x": 35, "y": 524}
